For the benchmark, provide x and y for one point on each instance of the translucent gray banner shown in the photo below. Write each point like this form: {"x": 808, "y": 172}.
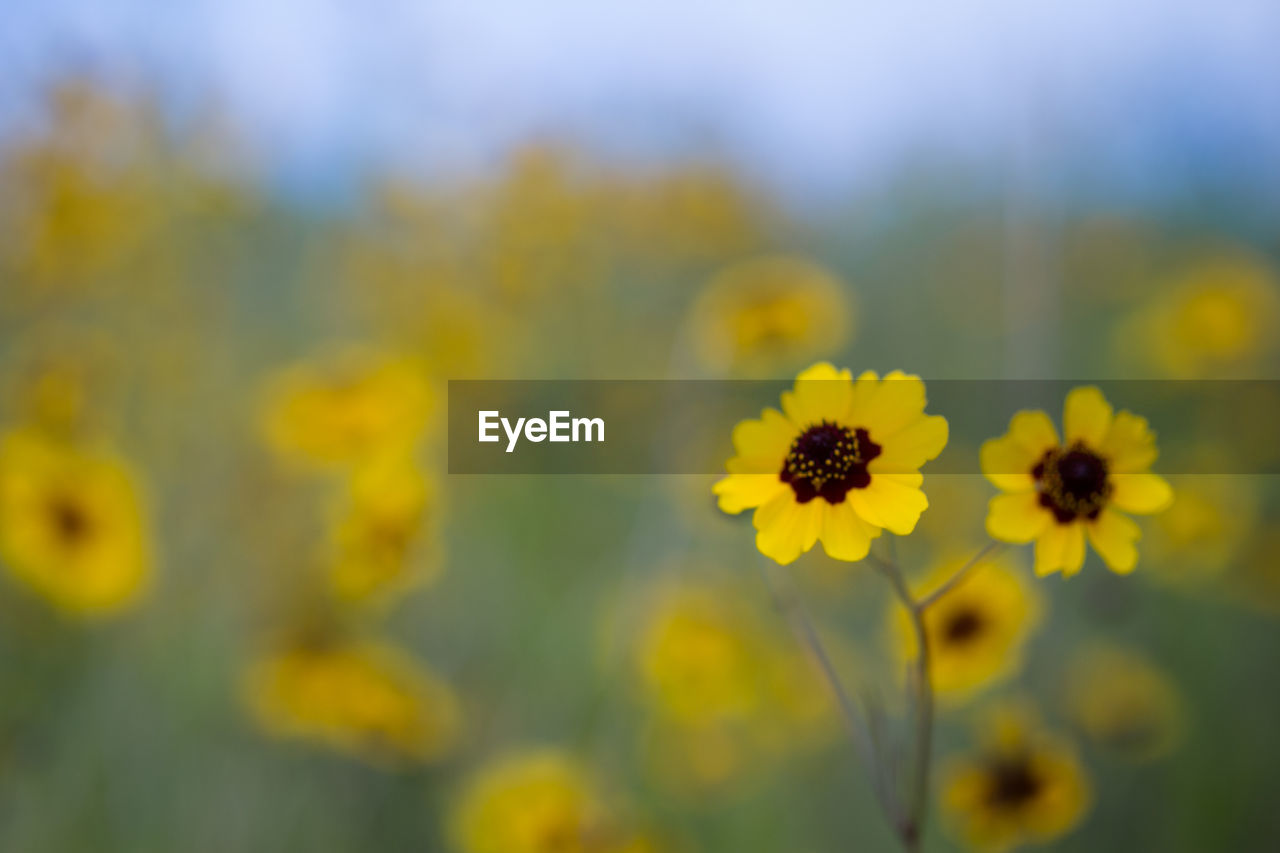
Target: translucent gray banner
{"x": 685, "y": 426}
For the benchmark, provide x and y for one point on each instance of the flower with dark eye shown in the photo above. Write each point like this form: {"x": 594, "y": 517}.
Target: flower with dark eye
{"x": 838, "y": 464}
{"x": 1057, "y": 493}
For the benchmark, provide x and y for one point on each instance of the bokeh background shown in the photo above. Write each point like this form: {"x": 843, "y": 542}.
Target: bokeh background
{"x": 243, "y": 247}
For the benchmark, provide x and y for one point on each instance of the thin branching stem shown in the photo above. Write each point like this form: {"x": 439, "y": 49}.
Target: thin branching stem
{"x": 920, "y": 682}
{"x": 911, "y": 827}
{"x": 793, "y": 610}
{"x": 952, "y": 582}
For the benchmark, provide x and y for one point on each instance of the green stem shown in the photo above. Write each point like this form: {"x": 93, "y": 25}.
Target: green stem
{"x": 912, "y": 827}
{"x": 953, "y": 581}
{"x": 791, "y": 608}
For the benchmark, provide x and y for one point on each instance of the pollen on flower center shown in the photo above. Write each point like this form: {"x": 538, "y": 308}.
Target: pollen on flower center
{"x": 828, "y": 460}
{"x": 1012, "y": 783}
{"x": 1073, "y": 482}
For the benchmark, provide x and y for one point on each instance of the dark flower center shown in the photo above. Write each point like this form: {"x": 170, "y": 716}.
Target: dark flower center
{"x": 1072, "y": 482}
{"x": 71, "y": 523}
{"x": 1012, "y": 783}
{"x": 828, "y": 460}
{"x": 962, "y": 626}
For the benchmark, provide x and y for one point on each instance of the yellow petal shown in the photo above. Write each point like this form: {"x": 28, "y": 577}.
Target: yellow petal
{"x": 764, "y": 442}
{"x": 845, "y": 536}
{"x": 1034, "y": 430}
{"x": 890, "y": 502}
{"x": 744, "y": 491}
{"x": 1130, "y": 445}
{"x": 1113, "y": 536}
{"x": 1140, "y": 493}
{"x": 886, "y": 406}
{"x": 821, "y": 393}
{"x": 1007, "y": 461}
{"x": 1086, "y": 416}
{"x": 1073, "y": 550}
{"x": 1008, "y": 464}
{"x": 1016, "y": 517}
{"x": 1051, "y": 548}
{"x": 911, "y": 447}
{"x": 786, "y": 529}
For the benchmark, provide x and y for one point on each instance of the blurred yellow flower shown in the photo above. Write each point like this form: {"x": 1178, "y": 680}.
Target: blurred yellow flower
{"x": 976, "y": 631}
{"x": 728, "y": 690}
{"x": 80, "y": 200}
{"x": 1023, "y": 786}
{"x": 347, "y": 408}
{"x": 72, "y": 525}
{"x": 376, "y": 538}
{"x": 699, "y": 655}
{"x": 694, "y": 212}
{"x": 839, "y": 466}
{"x": 1124, "y": 703}
{"x": 539, "y": 226}
{"x": 538, "y": 802}
{"x": 364, "y": 698}
{"x": 1214, "y": 320}
{"x": 1204, "y": 528}
{"x": 59, "y": 377}
{"x": 767, "y": 313}
{"x": 1057, "y": 492}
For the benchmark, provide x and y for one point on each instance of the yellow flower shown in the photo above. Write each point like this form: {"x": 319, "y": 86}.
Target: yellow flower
{"x": 698, "y": 656}
{"x": 375, "y": 540}
{"x": 538, "y": 226}
{"x": 60, "y": 379}
{"x": 841, "y": 463}
{"x": 346, "y": 409}
{"x": 363, "y": 698}
{"x": 1214, "y": 320}
{"x": 71, "y": 524}
{"x": 537, "y": 802}
{"x": 1022, "y": 786}
{"x": 769, "y": 312}
{"x": 1124, "y": 703}
{"x": 976, "y": 631}
{"x": 83, "y": 197}
{"x": 1204, "y": 529}
{"x": 695, "y": 212}
{"x": 1056, "y": 492}
{"x": 726, "y": 692}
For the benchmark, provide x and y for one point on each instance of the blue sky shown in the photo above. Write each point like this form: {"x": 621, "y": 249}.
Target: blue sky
{"x": 805, "y": 92}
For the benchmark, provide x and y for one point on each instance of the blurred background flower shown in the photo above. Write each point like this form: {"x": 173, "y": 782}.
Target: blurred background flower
{"x": 1023, "y": 786}
{"x": 977, "y": 629}
{"x": 1124, "y": 703}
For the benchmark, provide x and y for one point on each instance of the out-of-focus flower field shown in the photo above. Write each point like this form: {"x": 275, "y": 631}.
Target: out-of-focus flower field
{"x": 244, "y": 606}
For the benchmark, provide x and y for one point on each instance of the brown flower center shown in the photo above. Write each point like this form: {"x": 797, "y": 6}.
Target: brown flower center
{"x": 71, "y": 523}
{"x": 1072, "y": 482}
{"x": 828, "y": 460}
{"x": 962, "y": 626}
{"x": 1012, "y": 783}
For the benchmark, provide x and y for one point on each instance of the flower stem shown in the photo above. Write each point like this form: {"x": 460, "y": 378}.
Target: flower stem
{"x": 950, "y": 583}
{"x": 911, "y": 827}
{"x": 791, "y": 608}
